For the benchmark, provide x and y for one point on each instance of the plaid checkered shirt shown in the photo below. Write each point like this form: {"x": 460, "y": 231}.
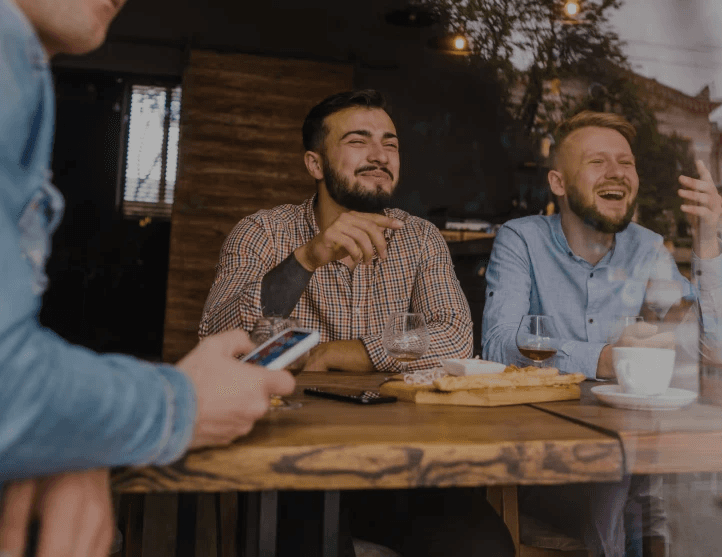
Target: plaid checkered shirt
{"x": 417, "y": 276}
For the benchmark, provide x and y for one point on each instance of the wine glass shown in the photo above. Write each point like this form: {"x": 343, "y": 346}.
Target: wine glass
{"x": 619, "y": 324}
{"x": 264, "y": 329}
{"x": 406, "y": 337}
{"x": 537, "y": 338}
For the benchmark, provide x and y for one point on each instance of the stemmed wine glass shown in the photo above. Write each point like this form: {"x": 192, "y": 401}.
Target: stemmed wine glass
{"x": 406, "y": 337}
{"x": 264, "y": 329}
{"x": 620, "y": 324}
{"x": 537, "y": 337}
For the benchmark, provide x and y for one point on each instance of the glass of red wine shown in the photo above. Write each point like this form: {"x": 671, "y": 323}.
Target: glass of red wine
{"x": 537, "y": 338}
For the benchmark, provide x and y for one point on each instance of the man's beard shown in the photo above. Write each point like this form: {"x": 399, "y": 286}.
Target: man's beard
{"x": 353, "y": 196}
{"x": 591, "y": 216}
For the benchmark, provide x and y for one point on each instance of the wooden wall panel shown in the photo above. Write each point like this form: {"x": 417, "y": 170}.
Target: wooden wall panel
{"x": 240, "y": 151}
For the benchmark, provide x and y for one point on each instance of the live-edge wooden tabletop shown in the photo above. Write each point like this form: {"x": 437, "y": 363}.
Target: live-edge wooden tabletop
{"x": 684, "y": 440}
{"x": 328, "y": 445}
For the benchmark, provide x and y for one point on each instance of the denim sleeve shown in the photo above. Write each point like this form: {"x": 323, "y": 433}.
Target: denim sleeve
{"x": 508, "y": 294}
{"x": 63, "y": 407}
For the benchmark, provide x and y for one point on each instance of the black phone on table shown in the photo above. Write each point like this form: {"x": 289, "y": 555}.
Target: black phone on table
{"x": 349, "y": 395}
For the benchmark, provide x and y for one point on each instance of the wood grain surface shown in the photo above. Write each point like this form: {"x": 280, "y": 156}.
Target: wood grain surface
{"x": 465, "y": 235}
{"x": 669, "y": 441}
{"x": 240, "y": 151}
{"x": 427, "y": 394}
{"x": 327, "y": 444}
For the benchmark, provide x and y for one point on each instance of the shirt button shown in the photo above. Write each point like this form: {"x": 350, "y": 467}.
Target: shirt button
{"x": 591, "y": 320}
{"x": 591, "y": 275}
{"x": 357, "y": 310}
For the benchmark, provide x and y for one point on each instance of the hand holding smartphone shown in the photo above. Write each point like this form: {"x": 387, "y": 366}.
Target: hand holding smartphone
{"x": 284, "y": 348}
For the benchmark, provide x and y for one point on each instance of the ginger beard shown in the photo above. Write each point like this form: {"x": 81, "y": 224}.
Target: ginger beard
{"x": 593, "y": 217}
{"x": 354, "y": 196}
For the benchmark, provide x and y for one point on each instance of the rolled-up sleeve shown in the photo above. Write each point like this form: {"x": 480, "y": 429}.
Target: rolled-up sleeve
{"x": 234, "y": 301}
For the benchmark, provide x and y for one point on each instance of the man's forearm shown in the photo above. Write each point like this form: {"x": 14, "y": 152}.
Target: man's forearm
{"x": 343, "y": 355}
{"x": 282, "y": 287}
{"x": 100, "y": 430}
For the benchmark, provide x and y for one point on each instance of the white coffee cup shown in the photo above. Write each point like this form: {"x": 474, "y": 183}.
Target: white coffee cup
{"x": 643, "y": 371}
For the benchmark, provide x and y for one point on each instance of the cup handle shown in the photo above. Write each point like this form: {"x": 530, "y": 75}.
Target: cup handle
{"x": 622, "y": 369}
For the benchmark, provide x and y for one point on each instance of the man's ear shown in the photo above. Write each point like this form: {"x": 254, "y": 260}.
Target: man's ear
{"x": 556, "y": 183}
{"x": 314, "y": 164}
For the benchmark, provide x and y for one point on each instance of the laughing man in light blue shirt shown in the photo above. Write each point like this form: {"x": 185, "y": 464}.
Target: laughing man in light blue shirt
{"x": 589, "y": 264}
{"x": 586, "y": 266}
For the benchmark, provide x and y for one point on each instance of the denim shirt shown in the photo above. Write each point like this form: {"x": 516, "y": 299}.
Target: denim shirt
{"x": 62, "y": 407}
{"x": 532, "y": 270}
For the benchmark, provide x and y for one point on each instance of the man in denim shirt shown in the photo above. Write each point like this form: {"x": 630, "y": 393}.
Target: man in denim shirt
{"x": 67, "y": 413}
{"x": 584, "y": 267}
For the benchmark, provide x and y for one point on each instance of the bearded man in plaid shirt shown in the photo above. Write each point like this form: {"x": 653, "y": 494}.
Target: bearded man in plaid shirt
{"x": 341, "y": 263}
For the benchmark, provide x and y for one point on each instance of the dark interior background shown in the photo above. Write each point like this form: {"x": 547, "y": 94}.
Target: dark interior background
{"x": 107, "y": 273}
{"x": 460, "y": 154}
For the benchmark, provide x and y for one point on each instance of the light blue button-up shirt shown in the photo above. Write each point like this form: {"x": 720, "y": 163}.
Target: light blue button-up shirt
{"x": 532, "y": 270}
{"x": 62, "y": 407}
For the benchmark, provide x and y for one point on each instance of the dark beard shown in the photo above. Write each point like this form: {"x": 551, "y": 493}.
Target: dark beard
{"x": 353, "y": 197}
{"x": 594, "y": 219}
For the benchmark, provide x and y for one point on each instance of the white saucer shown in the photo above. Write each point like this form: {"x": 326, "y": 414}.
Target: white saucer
{"x": 670, "y": 400}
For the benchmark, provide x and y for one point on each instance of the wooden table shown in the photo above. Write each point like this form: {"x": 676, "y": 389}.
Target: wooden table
{"x": 679, "y": 441}
{"x": 327, "y": 444}
{"x": 331, "y": 446}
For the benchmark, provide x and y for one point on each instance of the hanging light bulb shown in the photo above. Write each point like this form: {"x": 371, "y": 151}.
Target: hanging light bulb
{"x": 571, "y": 8}
{"x": 455, "y": 43}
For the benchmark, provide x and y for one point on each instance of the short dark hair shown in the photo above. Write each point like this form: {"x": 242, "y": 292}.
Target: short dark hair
{"x": 314, "y": 129}
{"x": 588, "y": 118}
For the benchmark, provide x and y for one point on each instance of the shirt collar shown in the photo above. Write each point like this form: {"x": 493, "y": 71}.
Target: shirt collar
{"x": 564, "y": 244}
{"x": 34, "y": 49}
{"x": 310, "y": 217}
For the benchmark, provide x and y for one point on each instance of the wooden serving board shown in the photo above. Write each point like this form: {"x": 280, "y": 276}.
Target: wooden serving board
{"x": 427, "y": 394}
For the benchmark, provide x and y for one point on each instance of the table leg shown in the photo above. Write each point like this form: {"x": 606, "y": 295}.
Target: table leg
{"x": 260, "y": 524}
{"x": 331, "y": 512}
{"x": 227, "y": 525}
{"x": 132, "y": 509}
{"x": 268, "y": 514}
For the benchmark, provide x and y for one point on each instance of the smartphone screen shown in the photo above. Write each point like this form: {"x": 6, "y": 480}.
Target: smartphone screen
{"x": 281, "y": 344}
